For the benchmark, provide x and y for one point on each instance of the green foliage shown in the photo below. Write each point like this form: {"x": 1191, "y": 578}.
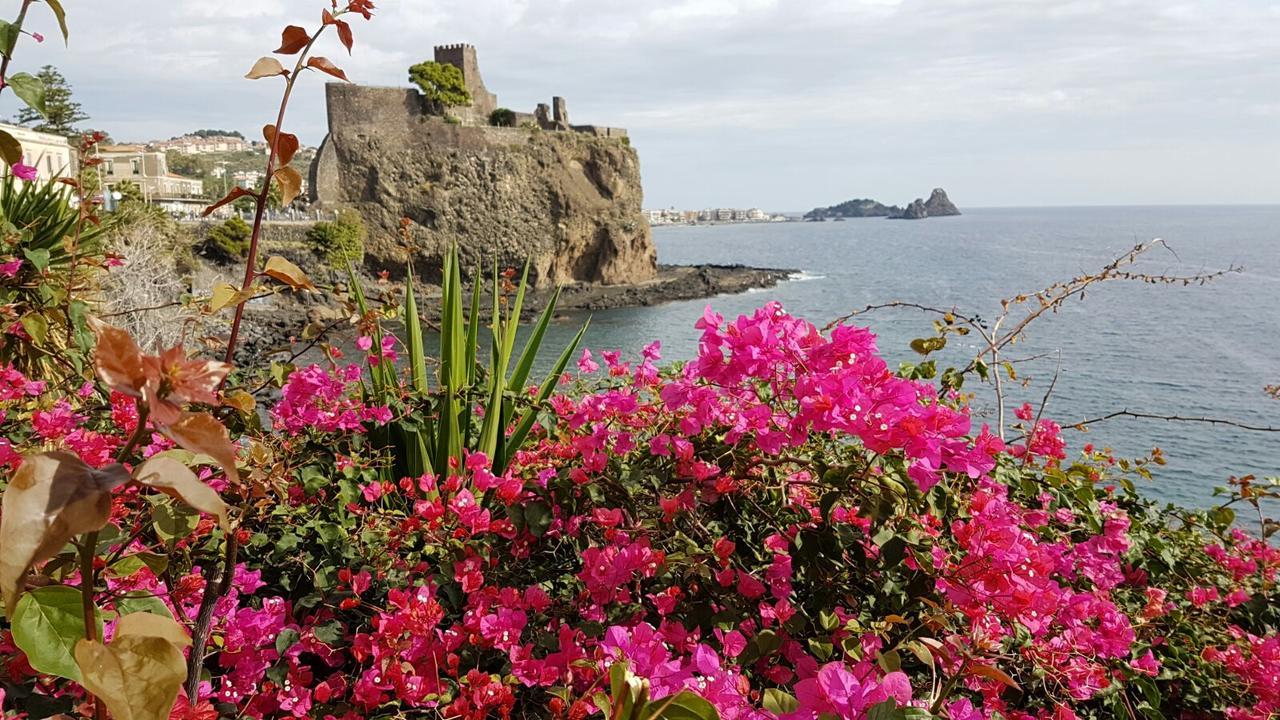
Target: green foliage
{"x": 228, "y": 242}
{"x": 217, "y": 133}
{"x": 441, "y": 83}
{"x": 341, "y": 242}
{"x": 60, "y": 257}
{"x": 47, "y": 624}
{"x": 56, "y": 112}
{"x": 438, "y": 424}
{"x": 502, "y": 117}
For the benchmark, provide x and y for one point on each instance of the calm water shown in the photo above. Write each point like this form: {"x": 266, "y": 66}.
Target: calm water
{"x": 1200, "y": 351}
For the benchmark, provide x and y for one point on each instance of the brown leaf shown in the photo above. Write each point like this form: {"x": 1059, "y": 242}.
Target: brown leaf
{"x": 166, "y": 474}
{"x": 993, "y": 673}
{"x": 242, "y": 401}
{"x": 152, "y": 625}
{"x": 118, "y": 359}
{"x": 51, "y": 498}
{"x": 139, "y": 674}
{"x": 292, "y": 40}
{"x": 290, "y": 181}
{"x": 201, "y": 433}
{"x": 324, "y": 65}
{"x": 287, "y": 273}
{"x": 327, "y": 18}
{"x": 344, "y": 34}
{"x": 266, "y": 67}
{"x": 286, "y": 146}
{"x": 10, "y": 148}
{"x": 235, "y": 194}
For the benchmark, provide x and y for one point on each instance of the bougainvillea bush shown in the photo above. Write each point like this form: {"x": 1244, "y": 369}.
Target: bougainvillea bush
{"x": 782, "y": 528}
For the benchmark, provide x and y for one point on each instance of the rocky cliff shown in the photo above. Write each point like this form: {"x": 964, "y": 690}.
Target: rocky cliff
{"x": 569, "y": 202}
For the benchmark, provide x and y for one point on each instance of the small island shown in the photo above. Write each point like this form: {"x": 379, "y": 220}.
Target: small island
{"x": 938, "y": 205}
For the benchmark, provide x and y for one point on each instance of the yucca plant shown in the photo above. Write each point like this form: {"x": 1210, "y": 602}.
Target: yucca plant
{"x": 51, "y": 257}
{"x": 465, "y": 406}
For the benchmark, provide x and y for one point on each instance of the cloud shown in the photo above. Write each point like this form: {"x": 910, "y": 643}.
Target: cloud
{"x": 911, "y": 88}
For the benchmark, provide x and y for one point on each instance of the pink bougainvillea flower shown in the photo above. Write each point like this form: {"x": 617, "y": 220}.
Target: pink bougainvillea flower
{"x": 24, "y": 172}
{"x": 10, "y": 268}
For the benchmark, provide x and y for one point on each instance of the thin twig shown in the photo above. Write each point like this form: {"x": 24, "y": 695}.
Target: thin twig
{"x": 1172, "y": 418}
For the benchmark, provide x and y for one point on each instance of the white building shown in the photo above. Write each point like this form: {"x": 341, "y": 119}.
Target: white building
{"x": 51, "y": 155}
{"x": 195, "y": 145}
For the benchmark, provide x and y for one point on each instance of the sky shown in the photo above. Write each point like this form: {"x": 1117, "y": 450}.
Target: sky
{"x": 780, "y": 104}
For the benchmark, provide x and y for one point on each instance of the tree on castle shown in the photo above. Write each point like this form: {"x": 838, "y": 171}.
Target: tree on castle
{"x": 61, "y": 112}
{"x": 441, "y": 83}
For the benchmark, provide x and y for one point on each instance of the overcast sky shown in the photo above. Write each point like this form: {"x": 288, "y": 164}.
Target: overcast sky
{"x": 782, "y": 104}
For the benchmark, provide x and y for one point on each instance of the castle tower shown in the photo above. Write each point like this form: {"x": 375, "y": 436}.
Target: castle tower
{"x": 463, "y": 57}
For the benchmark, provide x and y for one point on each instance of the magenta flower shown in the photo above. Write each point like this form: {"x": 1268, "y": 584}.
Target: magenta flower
{"x": 10, "y": 269}
{"x": 24, "y": 172}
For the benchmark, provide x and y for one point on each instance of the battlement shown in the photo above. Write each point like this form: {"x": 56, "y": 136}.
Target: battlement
{"x": 456, "y": 46}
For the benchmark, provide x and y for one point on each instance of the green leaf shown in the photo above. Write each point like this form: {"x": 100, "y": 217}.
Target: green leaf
{"x": 173, "y": 522}
{"x": 682, "y": 706}
{"x": 58, "y": 12}
{"x": 37, "y": 326}
{"x": 39, "y": 257}
{"x": 9, "y": 34}
{"x": 286, "y": 640}
{"x": 132, "y": 564}
{"x": 10, "y": 148}
{"x": 47, "y": 624}
{"x": 141, "y": 601}
{"x": 537, "y": 517}
{"x": 779, "y": 702}
{"x": 31, "y": 91}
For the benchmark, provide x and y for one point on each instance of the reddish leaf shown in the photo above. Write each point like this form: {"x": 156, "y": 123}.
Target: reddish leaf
{"x": 293, "y": 40}
{"x": 286, "y": 146}
{"x": 118, "y": 359}
{"x": 344, "y": 34}
{"x": 327, "y": 17}
{"x": 324, "y": 65}
{"x": 290, "y": 182}
{"x": 235, "y": 194}
{"x": 266, "y": 67}
{"x": 993, "y": 673}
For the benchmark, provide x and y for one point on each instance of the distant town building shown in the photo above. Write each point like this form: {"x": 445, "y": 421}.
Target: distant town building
{"x": 51, "y": 155}
{"x": 149, "y": 170}
{"x": 673, "y": 216}
{"x": 196, "y": 145}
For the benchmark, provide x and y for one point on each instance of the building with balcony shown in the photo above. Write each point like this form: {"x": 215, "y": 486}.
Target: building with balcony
{"x": 51, "y": 155}
{"x": 149, "y": 170}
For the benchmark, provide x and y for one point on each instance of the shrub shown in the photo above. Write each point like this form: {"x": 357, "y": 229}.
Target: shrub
{"x": 441, "y": 83}
{"x": 227, "y": 242}
{"x": 49, "y": 260}
{"x": 502, "y": 117}
{"x": 341, "y": 242}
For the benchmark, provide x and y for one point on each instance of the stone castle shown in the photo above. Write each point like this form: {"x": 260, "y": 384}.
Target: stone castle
{"x": 565, "y": 197}
{"x": 483, "y": 102}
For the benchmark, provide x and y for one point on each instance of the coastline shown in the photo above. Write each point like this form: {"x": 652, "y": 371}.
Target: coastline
{"x": 276, "y": 328}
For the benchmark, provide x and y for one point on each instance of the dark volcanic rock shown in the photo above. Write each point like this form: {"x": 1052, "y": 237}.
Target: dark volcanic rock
{"x": 856, "y": 208}
{"x": 939, "y": 205}
{"x": 917, "y": 210}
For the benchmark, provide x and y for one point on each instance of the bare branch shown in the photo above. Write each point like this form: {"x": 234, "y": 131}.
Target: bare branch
{"x": 1172, "y": 418}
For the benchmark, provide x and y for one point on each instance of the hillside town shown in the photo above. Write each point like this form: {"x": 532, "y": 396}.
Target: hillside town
{"x": 179, "y": 175}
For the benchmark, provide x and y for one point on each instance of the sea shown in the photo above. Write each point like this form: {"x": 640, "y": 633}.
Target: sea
{"x": 1196, "y": 351}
